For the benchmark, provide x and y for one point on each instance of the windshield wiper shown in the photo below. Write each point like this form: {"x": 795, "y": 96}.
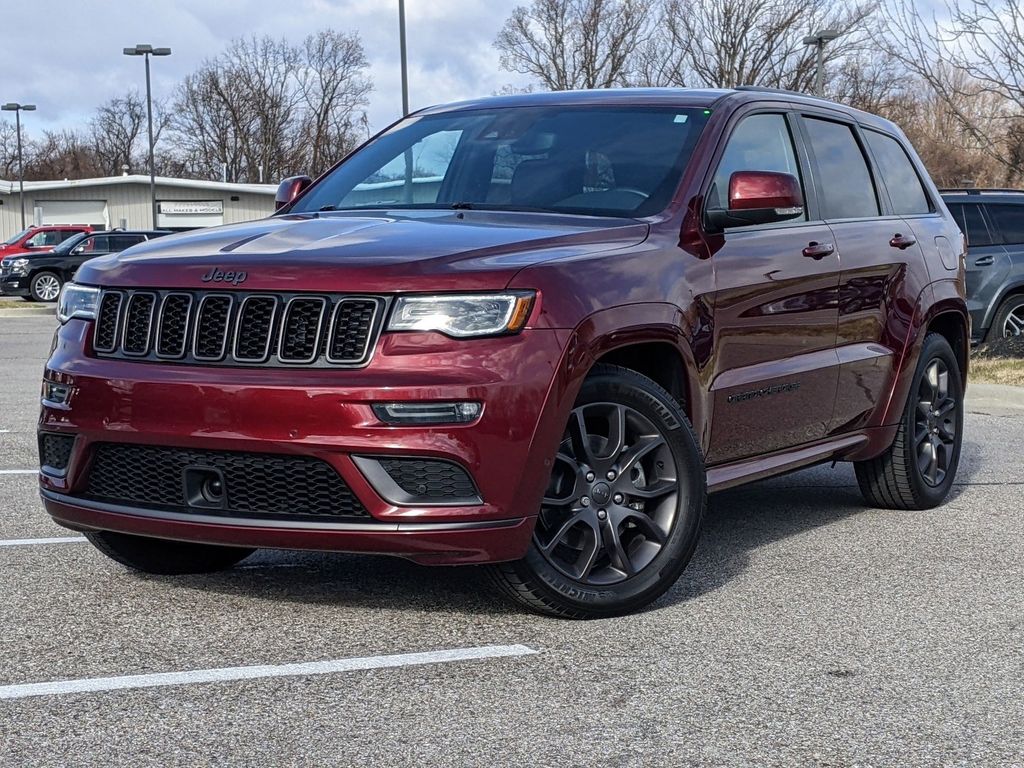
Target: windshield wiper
{"x": 328, "y": 207}
{"x": 462, "y": 206}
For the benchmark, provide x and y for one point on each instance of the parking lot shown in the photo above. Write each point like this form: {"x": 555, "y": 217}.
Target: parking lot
{"x": 808, "y": 630}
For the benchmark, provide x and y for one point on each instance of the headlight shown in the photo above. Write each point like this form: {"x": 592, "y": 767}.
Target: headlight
{"x": 77, "y": 301}
{"x": 463, "y": 315}
{"x": 19, "y": 266}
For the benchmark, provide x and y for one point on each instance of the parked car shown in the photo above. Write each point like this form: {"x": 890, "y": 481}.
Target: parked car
{"x": 993, "y": 220}
{"x": 526, "y": 331}
{"x": 39, "y": 276}
{"x": 40, "y": 239}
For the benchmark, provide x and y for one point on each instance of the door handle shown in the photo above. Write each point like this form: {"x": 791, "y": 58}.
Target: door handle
{"x": 985, "y": 261}
{"x": 818, "y": 251}
{"x": 902, "y": 241}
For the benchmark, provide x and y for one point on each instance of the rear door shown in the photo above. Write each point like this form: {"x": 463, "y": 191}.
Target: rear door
{"x": 776, "y": 285}
{"x": 873, "y": 270}
{"x": 988, "y": 262}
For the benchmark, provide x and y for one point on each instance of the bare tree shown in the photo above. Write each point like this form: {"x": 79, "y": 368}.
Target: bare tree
{"x": 569, "y": 44}
{"x": 966, "y": 51}
{"x": 725, "y": 43}
{"x": 117, "y": 132}
{"x": 334, "y": 91}
{"x": 65, "y": 154}
{"x": 8, "y": 150}
{"x": 266, "y": 108}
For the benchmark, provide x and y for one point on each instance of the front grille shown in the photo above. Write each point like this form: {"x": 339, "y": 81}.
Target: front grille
{"x": 257, "y": 485}
{"x": 238, "y": 329}
{"x": 429, "y": 480}
{"x": 55, "y": 450}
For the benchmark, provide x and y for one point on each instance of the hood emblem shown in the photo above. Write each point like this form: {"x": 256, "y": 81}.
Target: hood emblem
{"x": 218, "y": 275}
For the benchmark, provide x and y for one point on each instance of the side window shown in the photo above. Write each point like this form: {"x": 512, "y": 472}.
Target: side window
{"x": 48, "y": 237}
{"x": 1009, "y": 221}
{"x": 899, "y": 175}
{"x": 845, "y": 180}
{"x": 429, "y": 159}
{"x": 972, "y": 223}
{"x": 99, "y": 244}
{"x": 759, "y": 143}
{"x": 67, "y": 234}
{"x": 121, "y": 242}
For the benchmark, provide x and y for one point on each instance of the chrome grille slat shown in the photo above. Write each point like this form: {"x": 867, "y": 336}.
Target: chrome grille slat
{"x": 238, "y": 328}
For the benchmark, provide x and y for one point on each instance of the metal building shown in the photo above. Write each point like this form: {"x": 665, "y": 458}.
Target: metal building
{"x": 123, "y": 201}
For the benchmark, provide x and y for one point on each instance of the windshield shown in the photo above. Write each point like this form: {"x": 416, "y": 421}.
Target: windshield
{"x": 70, "y": 243}
{"x": 604, "y": 161}
{"x": 15, "y": 238}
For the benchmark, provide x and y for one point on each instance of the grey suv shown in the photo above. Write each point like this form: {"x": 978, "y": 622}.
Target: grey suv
{"x": 993, "y": 220}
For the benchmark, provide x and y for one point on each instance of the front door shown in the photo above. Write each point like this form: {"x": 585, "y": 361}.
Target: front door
{"x": 775, "y": 364}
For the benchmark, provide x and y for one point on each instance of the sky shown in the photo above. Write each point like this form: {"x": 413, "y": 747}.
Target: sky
{"x": 65, "y": 55}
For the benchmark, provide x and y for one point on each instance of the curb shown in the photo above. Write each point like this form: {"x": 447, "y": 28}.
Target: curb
{"x": 29, "y": 311}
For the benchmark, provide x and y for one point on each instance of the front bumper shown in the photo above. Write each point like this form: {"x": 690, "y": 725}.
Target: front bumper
{"x": 14, "y": 285}
{"x": 324, "y": 414}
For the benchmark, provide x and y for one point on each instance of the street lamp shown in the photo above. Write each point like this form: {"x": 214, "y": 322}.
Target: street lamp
{"x": 147, "y": 51}
{"x": 402, "y": 52}
{"x": 17, "y": 109}
{"x": 818, "y": 39}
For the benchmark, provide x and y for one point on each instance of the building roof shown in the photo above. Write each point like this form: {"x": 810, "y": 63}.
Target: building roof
{"x": 10, "y": 187}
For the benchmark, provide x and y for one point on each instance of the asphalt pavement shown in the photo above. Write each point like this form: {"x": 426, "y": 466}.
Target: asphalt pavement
{"x": 808, "y": 630}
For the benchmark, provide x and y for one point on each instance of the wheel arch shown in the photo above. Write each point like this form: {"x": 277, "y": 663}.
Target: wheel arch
{"x": 653, "y": 339}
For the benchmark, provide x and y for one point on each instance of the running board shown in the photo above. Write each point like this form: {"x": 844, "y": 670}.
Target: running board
{"x": 749, "y": 470}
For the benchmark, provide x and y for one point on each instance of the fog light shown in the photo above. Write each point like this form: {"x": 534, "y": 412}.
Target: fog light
{"x": 55, "y": 394}
{"x": 427, "y": 413}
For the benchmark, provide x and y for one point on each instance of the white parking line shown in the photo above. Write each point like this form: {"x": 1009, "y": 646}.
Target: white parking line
{"x": 224, "y": 674}
{"x": 19, "y": 471}
{"x": 52, "y": 540}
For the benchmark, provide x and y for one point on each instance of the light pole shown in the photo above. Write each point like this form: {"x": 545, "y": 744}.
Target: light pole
{"x": 405, "y": 64}
{"x": 147, "y": 51}
{"x": 818, "y": 40}
{"x": 17, "y": 109}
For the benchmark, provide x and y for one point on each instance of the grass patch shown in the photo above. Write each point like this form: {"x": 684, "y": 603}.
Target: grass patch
{"x": 16, "y": 303}
{"x": 997, "y": 370}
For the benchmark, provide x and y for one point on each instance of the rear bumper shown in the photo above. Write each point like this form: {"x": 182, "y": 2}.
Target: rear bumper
{"x": 327, "y": 415}
{"x": 426, "y": 543}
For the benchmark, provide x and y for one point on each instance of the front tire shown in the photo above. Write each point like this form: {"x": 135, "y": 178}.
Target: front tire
{"x": 918, "y": 470}
{"x": 45, "y": 286}
{"x": 163, "y": 557}
{"x": 624, "y": 506}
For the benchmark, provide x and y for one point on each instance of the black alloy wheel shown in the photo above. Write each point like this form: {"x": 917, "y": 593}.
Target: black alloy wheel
{"x": 624, "y": 505}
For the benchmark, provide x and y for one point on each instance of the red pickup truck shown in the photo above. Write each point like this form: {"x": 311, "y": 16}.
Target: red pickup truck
{"x": 39, "y": 239}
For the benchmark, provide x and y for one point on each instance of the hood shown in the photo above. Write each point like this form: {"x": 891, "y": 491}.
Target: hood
{"x": 342, "y": 252}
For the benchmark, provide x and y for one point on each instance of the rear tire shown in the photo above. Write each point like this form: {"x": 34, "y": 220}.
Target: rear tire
{"x": 160, "y": 556}
{"x": 624, "y": 507}
{"x": 918, "y": 470}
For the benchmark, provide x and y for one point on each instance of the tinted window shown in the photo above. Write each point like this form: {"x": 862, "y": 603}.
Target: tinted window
{"x": 120, "y": 242}
{"x": 845, "y": 180}
{"x": 1008, "y": 221}
{"x": 604, "y": 161}
{"x": 972, "y": 223}
{"x": 99, "y": 244}
{"x": 759, "y": 143}
{"x": 898, "y": 174}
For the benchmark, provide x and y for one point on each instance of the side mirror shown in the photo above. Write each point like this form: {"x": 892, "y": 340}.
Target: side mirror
{"x": 289, "y": 189}
{"x": 78, "y": 249}
{"x": 759, "y": 197}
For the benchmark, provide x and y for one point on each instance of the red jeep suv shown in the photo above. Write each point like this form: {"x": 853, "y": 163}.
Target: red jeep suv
{"x": 529, "y": 332}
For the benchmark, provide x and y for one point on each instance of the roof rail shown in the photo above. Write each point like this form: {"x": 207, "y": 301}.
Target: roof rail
{"x": 782, "y": 91}
{"x": 980, "y": 191}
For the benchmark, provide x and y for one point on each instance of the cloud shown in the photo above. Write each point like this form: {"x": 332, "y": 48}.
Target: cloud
{"x": 77, "y": 64}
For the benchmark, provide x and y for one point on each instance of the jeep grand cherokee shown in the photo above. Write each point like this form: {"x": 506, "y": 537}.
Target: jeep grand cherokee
{"x": 528, "y": 332}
